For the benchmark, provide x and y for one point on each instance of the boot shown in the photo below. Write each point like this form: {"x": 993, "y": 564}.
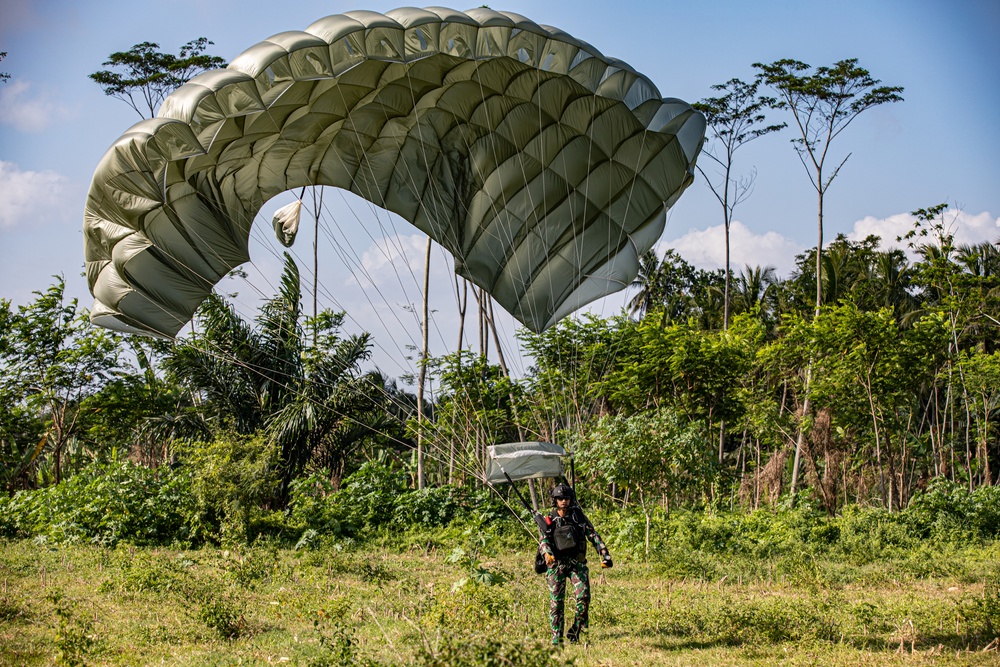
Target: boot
{"x": 573, "y": 635}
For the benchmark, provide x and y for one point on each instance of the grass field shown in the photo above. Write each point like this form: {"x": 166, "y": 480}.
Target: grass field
{"x": 449, "y": 601}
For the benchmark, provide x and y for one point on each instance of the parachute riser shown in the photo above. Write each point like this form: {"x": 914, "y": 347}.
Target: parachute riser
{"x": 538, "y": 518}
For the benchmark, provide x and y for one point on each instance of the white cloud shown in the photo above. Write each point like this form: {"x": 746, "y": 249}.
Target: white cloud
{"x": 28, "y": 109}
{"x": 967, "y": 228}
{"x": 706, "y": 248}
{"x": 31, "y": 197}
{"x": 393, "y": 260}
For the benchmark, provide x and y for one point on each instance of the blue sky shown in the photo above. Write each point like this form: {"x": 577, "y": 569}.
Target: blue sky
{"x": 939, "y": 145}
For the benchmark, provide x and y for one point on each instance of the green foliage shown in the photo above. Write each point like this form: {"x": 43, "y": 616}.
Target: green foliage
{"x": 430, "y": 506}
{"x": 250, "y": 567}
{"x": 949, "y": 512}
{"x": 136, "y": 572}
{"x": 980, "y": 614}
{"x": 51, "y": 359}
{"x": 571, "y": 362}
{"x": 149, "y": 75}
{"x": 105, "y": 504}
{"x": 694, "y": 371}
{"x": 652, "y": 454}
{"x": 478, "y": 404}
{"x": 75, "y": 638}
{"x": 470, "y": 608}
{"x": 310, "y": 507}
{"x": 375, "y": 499}
{"x": 269, "y": 377}
{"x": 749, "y": 620}
{"x": 369, "y": 495}
{"x": 223, "y": 613}
{"x": 231, "y": 478}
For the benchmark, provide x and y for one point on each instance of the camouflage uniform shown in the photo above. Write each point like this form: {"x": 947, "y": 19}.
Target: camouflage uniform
{"x": 570, "y": 565}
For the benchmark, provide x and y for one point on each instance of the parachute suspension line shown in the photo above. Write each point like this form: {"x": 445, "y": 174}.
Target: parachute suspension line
{"x": 234, "y": 360}
{"x": 395, "y": 236}
{"x": 227, "y": 357}
{"x": 317, "y": 209}
{"x": 498, "y": 214}
{"x": 360, "y": 274}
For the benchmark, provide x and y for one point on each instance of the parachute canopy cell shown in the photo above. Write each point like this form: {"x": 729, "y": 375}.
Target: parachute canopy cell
{"x": 523, "y": 460}
{"x": 542, "y": 166}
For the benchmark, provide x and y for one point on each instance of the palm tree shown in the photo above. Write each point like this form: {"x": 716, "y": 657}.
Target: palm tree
{"x": 888, "y": 280}
{"x": 306, "y": 392}
{"x": 650, "y": 283}
{"x": 754, "y": 286}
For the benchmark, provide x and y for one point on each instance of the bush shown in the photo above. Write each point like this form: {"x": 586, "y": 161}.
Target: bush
{"x": 431, "y": 506}
{"x": 106, "y": 503}
{"x": 949, "y": 512}
{"x": 232, "y": 477}
{"x": 867, "y": 534}
{"x": 309, "y": 506}
{"x": 369, "y": 496}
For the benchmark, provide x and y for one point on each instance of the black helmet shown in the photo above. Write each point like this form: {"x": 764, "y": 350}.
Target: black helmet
{"x": 563, "y": 491}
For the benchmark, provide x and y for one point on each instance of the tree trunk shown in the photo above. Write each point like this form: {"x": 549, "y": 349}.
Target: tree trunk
{"x": 423, "y": 367}
{"x": 799, "y": 440}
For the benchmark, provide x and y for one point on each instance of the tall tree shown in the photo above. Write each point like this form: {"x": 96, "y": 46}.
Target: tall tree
{"x": 4, "y": 76}
{"x": 142, "y": 77}
{"x": 734, "y": 119}
{"x": 671, "y": 286}
{"x": 822, "y": 103}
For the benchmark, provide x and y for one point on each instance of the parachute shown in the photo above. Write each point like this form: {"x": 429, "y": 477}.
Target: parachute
{"x": 515, "y": 461}
{"x": 542, "y": 166}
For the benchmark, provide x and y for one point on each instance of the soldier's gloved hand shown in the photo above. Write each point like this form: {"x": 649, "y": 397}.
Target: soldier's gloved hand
{"x": 606, "y": 560}
{"x": 550, "y": 560}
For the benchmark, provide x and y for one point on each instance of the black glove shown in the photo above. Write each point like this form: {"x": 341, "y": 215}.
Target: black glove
{"x": 606, "y": 560}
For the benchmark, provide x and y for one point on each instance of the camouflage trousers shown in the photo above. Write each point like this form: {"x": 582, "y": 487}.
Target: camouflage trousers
{"x": 556, "y": 577}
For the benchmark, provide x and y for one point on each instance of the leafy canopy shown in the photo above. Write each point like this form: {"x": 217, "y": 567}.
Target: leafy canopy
{"x": 142, "y": 77}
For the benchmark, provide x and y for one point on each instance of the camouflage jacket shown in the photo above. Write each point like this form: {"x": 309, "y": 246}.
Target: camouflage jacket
{"x": 583, "y": 530}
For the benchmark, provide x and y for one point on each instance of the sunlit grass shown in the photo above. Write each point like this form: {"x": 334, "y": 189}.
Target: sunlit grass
{"x": 376, "y": 604}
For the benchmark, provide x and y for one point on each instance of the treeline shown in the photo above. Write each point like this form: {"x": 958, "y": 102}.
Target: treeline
{"x": 900, "y": 368}
{"x": 664, "y": 408}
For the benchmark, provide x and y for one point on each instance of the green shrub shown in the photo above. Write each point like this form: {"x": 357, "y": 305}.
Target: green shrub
{"x": 221, "y": 612}
{"x": 251, "y": 566}
{"x": 75, "y": 636}
{"x": 106, "y": 503}
{"x": 868, "y": 534}
{"x": 369, "y": 496}
{"x": 948, "y": 512}
{"x": 431, "y": 506}
{"x": 232, "y": 477}
{"x": 979, "y": 615}
{"x": 310, "y": 506}
{"x": 138, "y": 571}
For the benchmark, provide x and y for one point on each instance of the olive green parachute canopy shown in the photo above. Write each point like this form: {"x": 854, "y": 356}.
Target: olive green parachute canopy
{"x": 544, "y": 167}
